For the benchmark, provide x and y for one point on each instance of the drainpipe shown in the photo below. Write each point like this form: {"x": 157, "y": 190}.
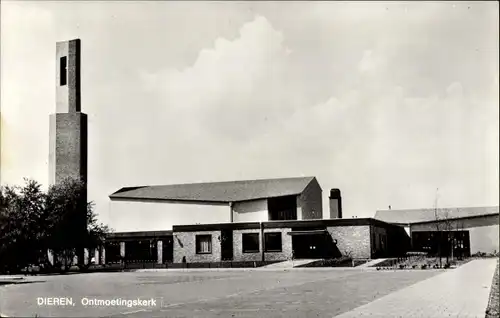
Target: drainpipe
{"x": 231, "y": 217}
{"x": 262, "y": 241}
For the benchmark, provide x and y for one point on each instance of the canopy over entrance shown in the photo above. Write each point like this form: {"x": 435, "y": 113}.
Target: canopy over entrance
{"x": 310, "y": 232}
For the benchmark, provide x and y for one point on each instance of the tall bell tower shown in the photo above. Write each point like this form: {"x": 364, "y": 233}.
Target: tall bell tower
{"x": 68, "y": 127}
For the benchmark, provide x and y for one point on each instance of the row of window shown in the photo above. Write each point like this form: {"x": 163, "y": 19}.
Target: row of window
{"x": 250, "y": 243}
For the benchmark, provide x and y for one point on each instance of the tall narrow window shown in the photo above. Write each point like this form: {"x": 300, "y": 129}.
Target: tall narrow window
{"x": 63, "y": 71}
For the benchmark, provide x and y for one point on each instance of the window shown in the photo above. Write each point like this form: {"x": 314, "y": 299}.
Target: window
{"x": 282, "y": 208}
{"x": 273, "y": 242}
{"x": 250, "y": 242}
{"x": 203, "y": 244}
{"x": 63, "y": 65}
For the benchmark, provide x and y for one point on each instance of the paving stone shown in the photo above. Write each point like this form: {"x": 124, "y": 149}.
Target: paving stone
{"x": 461, "y": 292}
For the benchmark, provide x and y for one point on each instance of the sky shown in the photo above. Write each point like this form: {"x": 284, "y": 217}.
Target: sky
{"x": 386, "y": 101}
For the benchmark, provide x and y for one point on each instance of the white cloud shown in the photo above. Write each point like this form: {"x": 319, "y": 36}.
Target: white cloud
{"x": 233, "y": 85}
{"x": 370, "y": 140}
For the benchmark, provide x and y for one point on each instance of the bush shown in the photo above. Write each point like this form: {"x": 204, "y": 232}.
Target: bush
{"x": 424, "y": 266}
{"x": 416, "y": 254}
{"x": 401, "y": 266}
{"x": 338, "y": 262}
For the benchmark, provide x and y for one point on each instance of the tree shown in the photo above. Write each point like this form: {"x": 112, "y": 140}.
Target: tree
{"x": 443, "y": 222}
{"x": 66, "y": 209}
{"x": 33, "y": 222}
{"x": 22, "y": 225}
{"x": 73, "y": 222}
{"x": 96, "y": 231}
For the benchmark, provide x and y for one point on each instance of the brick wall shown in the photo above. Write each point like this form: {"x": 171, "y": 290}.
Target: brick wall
{"x": 310, "y": 202}
{"x": 185, "y": 245}
{"x": 68, "y": 147}
{"x": 238, "y": 254}
{"x": 352, "y": 239}
{"x": 286, "y": 246}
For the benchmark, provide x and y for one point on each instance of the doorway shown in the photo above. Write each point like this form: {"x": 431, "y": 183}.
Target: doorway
{"x": 309, "y": 246}
{"x": 168, "y": 249}
{"x": 226, "y": 244}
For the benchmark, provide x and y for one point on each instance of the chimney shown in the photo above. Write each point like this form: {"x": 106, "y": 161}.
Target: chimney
{"x": 335, "y": 204}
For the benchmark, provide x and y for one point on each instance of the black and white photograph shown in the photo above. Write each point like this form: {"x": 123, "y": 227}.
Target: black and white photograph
{"x": 249, "y": 159}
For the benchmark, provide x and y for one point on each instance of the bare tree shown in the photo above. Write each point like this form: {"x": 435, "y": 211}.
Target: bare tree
{"x": 447, "y": 221}
{"x": 444, "y": 225}
{"x": 437, "y": 223}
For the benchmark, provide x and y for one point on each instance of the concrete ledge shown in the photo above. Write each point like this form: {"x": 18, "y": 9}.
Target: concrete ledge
{"x": 6, "y": 280}
{"x": 260, "y": 269}
{"x": 8, "y": 277}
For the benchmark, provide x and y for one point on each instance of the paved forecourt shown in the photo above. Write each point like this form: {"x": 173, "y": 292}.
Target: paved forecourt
{"x": 237, "y": 293}
{"x": 463, "y": 292}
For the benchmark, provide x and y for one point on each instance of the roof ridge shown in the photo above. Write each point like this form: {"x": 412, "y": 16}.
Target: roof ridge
{"x": 124, "y": 189}
{"x": 220, "y": 191}
{"x": 227, "y": 181}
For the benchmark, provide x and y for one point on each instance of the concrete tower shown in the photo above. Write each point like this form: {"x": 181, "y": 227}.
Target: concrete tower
{"x": 68, "y": 126}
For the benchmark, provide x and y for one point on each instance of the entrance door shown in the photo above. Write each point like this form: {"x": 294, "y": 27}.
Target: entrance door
{"x": 168, "y": 249}
{"x": 226, "y": 243}
{"x": 309, "y": 246}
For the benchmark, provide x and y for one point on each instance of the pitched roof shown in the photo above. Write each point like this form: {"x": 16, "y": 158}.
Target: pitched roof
{"x": 428, "y": 215}
{"x": 222, "y": 192}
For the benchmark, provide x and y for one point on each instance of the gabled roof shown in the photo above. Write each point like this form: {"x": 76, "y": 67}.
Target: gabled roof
{"x": 428, "y": 215}
{"x": 220, "y": 192}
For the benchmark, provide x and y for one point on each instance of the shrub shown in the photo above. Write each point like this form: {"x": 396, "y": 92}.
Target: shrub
{"x": 401, "y": 266}
{"x": 338, "y": 262}
{"x": 424, "y": 266}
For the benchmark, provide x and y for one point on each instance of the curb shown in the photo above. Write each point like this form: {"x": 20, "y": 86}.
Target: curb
{"x": 258, "y": 269}
{"x": 8, "y": 278}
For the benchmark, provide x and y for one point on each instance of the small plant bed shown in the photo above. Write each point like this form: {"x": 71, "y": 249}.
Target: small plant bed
{"x": 493, "y": 309}
{"x": 419, "y": 262}
{"x": 334, "y": 262}
{"x": 358, "y": 262}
